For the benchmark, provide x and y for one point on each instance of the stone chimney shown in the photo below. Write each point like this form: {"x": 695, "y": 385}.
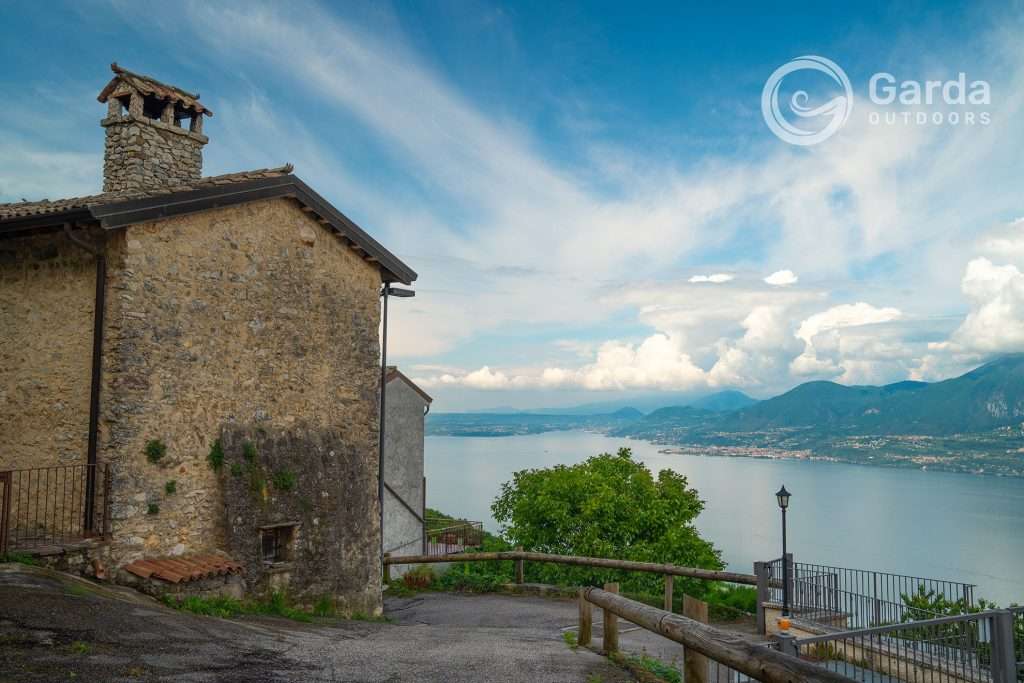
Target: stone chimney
{"x": 154, "y": 133}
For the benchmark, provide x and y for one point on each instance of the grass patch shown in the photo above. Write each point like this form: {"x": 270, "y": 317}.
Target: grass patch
{"x": 236, "y": 469}
{"x": 570, "y": 639}
{"x": 152, "y": 509}
{"x": 647, "y": 669}
{"x": 155, "y": 450}
{"x": 20, "y": 558}
{"x": 80, "y": 648}
{"x": 171, "y": 487}
{"x": 277, "y": 605}
{"x": 225, "y": 607}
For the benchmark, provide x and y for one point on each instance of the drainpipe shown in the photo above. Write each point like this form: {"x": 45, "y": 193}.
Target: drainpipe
{"x": 383, "y": 385}
{"x": 97, "y": 357}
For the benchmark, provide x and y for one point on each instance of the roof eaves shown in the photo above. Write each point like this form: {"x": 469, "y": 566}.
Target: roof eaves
{"x": 395, "y": 373}
{"x": 389, "y": 262}
{"x": 120, "y": 214}
{"x": 215, "y": 194}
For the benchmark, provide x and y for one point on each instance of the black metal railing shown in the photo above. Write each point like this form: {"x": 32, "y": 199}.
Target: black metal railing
{"x": 972, "y": 648}
{"x": 1018, "y": 639}
{"x": 445, "y": 536}
{"x": 859, "y": 598}
{"x": 53, "y": 506}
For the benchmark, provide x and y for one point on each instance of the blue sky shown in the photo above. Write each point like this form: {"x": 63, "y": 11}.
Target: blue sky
{"x": 589, "y": 191}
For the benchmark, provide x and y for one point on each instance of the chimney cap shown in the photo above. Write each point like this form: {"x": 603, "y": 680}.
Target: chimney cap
{"x": 146, "y": 85}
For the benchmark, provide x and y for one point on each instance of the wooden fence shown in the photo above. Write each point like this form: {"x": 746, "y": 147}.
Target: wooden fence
{"x": 733, "y": 655}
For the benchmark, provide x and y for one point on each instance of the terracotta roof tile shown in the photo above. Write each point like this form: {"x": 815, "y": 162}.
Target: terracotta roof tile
{"x": 46, "y": 206}
{"x": 147, "y": 85}
{"x": 186, "y": 568}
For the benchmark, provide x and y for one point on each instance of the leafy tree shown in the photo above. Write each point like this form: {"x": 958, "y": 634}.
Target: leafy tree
{"x": 608, "y": 506}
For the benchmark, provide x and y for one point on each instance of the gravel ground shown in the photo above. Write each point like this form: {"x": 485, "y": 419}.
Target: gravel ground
{"x": 54, "y": 627}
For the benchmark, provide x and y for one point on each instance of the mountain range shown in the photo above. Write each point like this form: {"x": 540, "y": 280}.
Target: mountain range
{"x": 986, "y": 398}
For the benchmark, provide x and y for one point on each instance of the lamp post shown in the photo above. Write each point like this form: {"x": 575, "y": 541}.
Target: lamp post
{"x": 386, "y": 290}
{"x": 782, "y": 495}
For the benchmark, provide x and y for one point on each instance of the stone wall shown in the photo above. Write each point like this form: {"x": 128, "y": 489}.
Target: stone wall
{"x": 254, "y": 317}
{"x": 47, "y": 291}
{"x": 403, "y": 469}
{"x": 319, "y": 485}
{"x": 141, "y": 153}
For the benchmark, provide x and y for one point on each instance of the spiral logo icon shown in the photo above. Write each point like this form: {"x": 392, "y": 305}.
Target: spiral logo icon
{"x": 835, "y": 112}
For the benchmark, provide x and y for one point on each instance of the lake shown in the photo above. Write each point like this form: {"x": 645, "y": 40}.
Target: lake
{"x": 941, "y": 525}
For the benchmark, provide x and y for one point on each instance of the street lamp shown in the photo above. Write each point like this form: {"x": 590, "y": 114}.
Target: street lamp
{"x": 386, "y": 291}
{"x": 782, "y": 495}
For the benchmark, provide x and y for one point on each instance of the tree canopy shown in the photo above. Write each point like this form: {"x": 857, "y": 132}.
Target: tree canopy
{"x": 607, "y": 506}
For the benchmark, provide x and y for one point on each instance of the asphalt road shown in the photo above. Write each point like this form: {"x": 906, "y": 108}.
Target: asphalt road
{"x": 57, "y": 628}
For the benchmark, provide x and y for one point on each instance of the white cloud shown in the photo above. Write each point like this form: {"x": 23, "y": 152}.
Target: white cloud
{"x": 995, "y": 323}
{"x": 829, "y": 343}
{"x": 762, "y": 355}
{"x": 658, "y": 362}
{"x": 716, "y": 278}
{"x": 781, "y": 278}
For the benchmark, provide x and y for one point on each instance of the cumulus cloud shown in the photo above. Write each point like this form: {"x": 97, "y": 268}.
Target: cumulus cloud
{"x": 657, "y": 362}
{"x": 781, "y": 278}
{"x": 829, "y": 341}
{"x": 995, "y": 323}
{"x": 761, "y": 356}
{"x": 716, "y": 278}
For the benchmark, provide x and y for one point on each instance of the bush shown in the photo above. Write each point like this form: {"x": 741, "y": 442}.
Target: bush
{"x": 607, "y": 506}
{"x": 284, "y": 480}
{"x": 171, "y": 487}
{"x": 155, "y": 450}
{"x": 216, "y": 456}
{"x": 249, "y": 451}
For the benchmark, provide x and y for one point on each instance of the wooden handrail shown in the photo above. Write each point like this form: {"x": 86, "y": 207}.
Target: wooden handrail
{"x": 601, "y": 562}
{"x": 727, "y": 648}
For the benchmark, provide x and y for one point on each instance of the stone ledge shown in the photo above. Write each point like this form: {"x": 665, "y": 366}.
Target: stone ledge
{"x": 128, "y": 118}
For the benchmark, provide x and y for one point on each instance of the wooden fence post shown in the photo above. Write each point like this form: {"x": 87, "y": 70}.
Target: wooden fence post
{"x": 669, "y": 581}
{"x": 586, "y": 620}
{"x": 610, "y": 625}
{"x": 761, "y": 570}
{"x": 695, "y": 666}
{"x": 387, "y": 569}
{"x": 520, "y": 567}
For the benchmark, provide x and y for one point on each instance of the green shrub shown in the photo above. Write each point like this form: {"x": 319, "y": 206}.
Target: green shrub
{"x": 284, "y": 480}
{"x": 607, "y": 506}
{"x": 236, "y": 469}
{"x": 152, "y": 509}
{"x": 216, "y": 456}
{"x": 171, "y": 487}
{"x": 325, "y": 607}
{"x": 249, "y": 451}
{"x": 155, "y": 450}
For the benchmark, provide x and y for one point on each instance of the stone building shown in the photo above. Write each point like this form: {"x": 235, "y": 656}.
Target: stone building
{"x": 405, "y": 410}
{"x": 211, "y": 343}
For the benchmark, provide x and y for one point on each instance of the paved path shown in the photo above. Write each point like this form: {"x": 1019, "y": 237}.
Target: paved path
{"x": 55, "y": 628}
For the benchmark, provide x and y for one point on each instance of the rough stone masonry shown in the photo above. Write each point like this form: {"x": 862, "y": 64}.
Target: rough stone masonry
{"x": 240, "y": 345}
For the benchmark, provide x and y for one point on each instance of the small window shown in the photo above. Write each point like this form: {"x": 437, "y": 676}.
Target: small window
{"x": 277, "y": 543}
